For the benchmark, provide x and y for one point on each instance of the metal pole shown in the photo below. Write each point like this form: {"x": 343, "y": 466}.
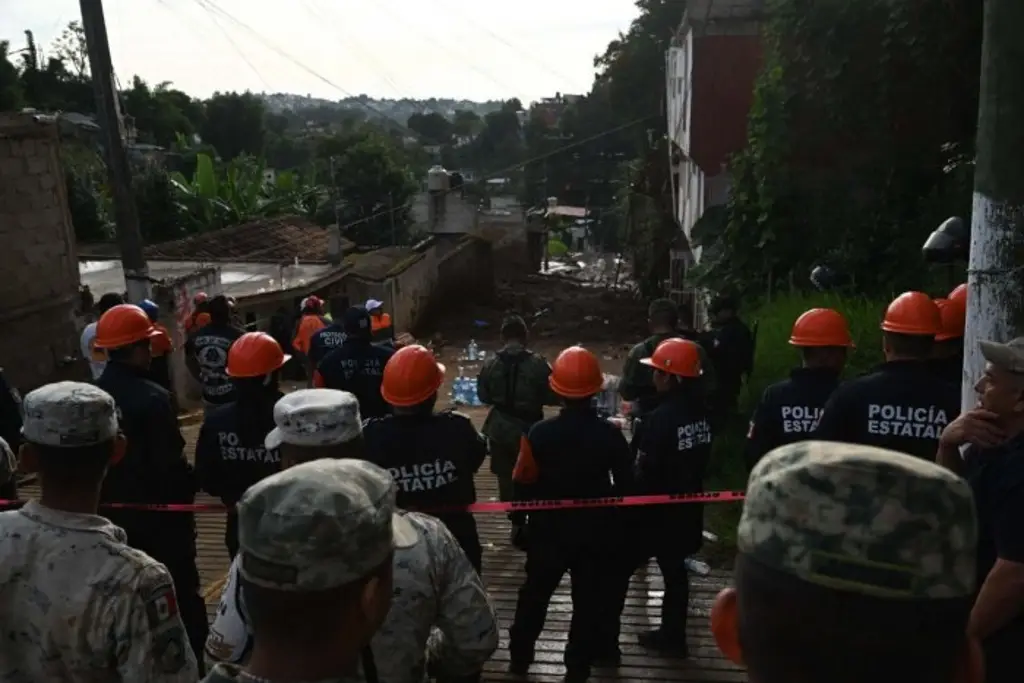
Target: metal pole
{"x": 335, "y": 198}
{"x": 136, "y": 272}
{"x": 995, "y": 306}
{"x": 391, "y": 212}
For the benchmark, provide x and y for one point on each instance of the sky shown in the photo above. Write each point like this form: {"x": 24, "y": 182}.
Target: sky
{"x": 472, "y": 49}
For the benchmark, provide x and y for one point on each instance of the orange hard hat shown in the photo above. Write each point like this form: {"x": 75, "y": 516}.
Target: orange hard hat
{"x": 953, "y": 314}
{"x": 411, "y": 376}
{"x": 676, "y": 356}
{"x": 123, "y": 325}
{"x": 255, "y": 354}
{"x": 202, "y": 320}
{"x": 821, "y": 327}
{"x": 959, "y": 294}
{"x": 576, "y": 373}
{"x": 913, "y": 313}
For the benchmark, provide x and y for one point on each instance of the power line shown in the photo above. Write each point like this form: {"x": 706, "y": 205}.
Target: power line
{"x": 309, "y": 6}
{"x": 231, "y": 41}
{"x": 496, "y": 36}
{"x": 212, "y": 6}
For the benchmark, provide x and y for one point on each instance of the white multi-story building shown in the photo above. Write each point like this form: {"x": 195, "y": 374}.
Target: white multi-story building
{"x": 710, "y": 72}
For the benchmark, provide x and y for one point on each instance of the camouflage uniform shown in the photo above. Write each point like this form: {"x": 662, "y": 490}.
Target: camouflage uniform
{"x": 434, "y": 585}
{"x": 863, "y": 520}
{"x": 350, "y": 505}
{"x": 78, "y": 604}
{"x": 514, "y": 382}
{"x": 8, "y": 466}
{"x": 637, "y": 383}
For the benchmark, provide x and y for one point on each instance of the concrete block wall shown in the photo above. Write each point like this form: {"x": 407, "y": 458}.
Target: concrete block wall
{"x": 39, "y": 287}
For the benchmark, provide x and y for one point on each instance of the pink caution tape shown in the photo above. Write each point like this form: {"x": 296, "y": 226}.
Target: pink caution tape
{"x": 517, "y": 506}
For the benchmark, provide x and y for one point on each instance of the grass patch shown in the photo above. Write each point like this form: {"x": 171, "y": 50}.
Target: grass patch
{"x": 773, "y": 359}
{"x": 557, "y": 248}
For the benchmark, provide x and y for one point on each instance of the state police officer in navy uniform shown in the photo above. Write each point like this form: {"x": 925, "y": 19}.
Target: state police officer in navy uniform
{"x": 357, "y": 366}
{"x": 789, "y": 410}
{"x": 432, "y": 457}
{"x": 575, "y": 454}
{"x": 673, "y": 447}
{"x": 231, "y": 454}
{"x": 902, "y": 405}
{"x": 154, "y": 469}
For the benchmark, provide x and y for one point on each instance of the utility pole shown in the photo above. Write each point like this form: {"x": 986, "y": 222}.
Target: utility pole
{"x": 391, "y": 213}
{"x": 136, "y": 272}
{"x": 995, "y": 306}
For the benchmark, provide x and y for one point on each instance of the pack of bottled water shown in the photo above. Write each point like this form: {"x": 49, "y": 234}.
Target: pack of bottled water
{"x": 464, "y": 391}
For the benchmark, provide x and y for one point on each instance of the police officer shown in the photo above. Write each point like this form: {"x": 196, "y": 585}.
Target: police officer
{"x": 902, "y": 405}
{"x": 573, "y": 455}
{"x": 731, "y": 347}
{"x": 433, "y": 457}
{"x": 10, "y": 432}
{"x": 97, "y": 357}
{"x": 673, "y": 446}
{"x": 514, "y": 382}
{"x": 154, "y": 469}
{"x": 434, "y": 584}
{"x": 331, "y": 337}
{"x": 207, "y": 354}
{"x": 789, "y": 410}
{"x": 161, "y": 347}
{"x": 230, "y": 451}
{"x": 357, "y": 366}
{"x": 75, "y": 597}
{"x": 316, "y": 544}
{"x": 855, "y": 564}
{"x": 948, "y": 355}
{"x": 637, "y": 383}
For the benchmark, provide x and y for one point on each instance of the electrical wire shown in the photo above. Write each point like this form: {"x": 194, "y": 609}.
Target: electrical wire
{"x": 498, "y": 37}
{"x": 238, "y": 50}
{"x": 313, "y": 10}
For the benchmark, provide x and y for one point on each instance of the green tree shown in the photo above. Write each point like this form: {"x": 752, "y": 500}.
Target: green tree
{"x": 433, "y": 127}
{"x": 466, "y": 122}
{"x": 11, "y": 95}
{"x": 234, "y": 124}
{"x": 72, "y": 50}
{"x": 372, "y": 187}
{"x": 158, "y": 112}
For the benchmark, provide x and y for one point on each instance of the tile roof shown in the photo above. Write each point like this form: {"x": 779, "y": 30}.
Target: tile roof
{"x": 268, "y": 240}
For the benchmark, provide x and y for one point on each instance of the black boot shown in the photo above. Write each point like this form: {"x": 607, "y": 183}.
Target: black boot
{"x": 665, "y": 643}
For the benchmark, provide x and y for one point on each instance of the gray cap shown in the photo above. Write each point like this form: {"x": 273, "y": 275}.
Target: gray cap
{"x": 69, "y": 415}
{"x": 1008, "y": 356}
{"x": 861, "y": 519}
{"x": 315, "y": 417}
{"x": 319, "y": 525}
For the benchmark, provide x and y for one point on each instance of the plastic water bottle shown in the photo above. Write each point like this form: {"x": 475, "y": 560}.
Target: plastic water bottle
{"x": 474, "y": 397}
{"x": 459, "y": 388}
{"x": 696, "y": 566}
{"x": 471, "y": 350}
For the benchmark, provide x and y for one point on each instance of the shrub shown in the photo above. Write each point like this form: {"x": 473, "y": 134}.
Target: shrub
{"x": 773, "y": 359}
{"x": 557, "y": 248}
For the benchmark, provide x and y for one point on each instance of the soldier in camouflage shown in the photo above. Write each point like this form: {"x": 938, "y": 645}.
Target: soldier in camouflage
{"x": 514, "y": 382}
{"x": 77, "y": 603}
{"x": 637, "y": 383}
{"x": 435, "y": 587}
{"x": 855, "y": 564}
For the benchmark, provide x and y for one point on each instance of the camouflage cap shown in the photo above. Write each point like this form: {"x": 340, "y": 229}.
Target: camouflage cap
{"x": 319, "y": 525}
{"x": 315, "y": 417}
{"x": 69, "y": 415}
{"x": 861, "y": 519}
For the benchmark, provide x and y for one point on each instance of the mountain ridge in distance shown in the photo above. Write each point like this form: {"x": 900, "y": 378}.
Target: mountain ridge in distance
{"x": 400, "y": 109}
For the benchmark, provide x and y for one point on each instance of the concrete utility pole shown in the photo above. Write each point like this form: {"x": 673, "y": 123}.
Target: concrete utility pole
{"x": 136, "y": 272}
{"x": 995, "y": 306}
